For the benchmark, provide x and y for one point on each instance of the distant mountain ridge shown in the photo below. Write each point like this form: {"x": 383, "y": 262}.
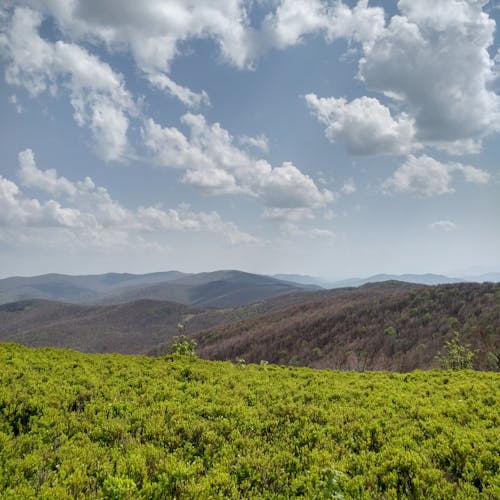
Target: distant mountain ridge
{"x": 226, "y": 288}
{"x": 420, "y": 279}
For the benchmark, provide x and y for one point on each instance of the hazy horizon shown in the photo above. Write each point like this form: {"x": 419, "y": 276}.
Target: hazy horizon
{"x": 326, "y": 138}
{"x": 467, "y": 274}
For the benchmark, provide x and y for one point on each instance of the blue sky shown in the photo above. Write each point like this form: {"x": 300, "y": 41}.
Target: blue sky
{"x": 304, "y": 136}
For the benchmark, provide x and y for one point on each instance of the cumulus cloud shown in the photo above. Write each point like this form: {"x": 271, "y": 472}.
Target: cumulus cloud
{"x": 48, "y": 180}
{"x": 19, "y": 210}
{"x": 294, "y": 19}
{"x": 443, "y": 225}
{"x": 153, "y": 33}
{"x": 286, "y": 187}
{"x": 434, "y": 58}
{"x": 215, "y": 165}
{"x": 364, "y": 125}
{"x": 431, "y": 60}
{"x": 90, "y": 213}
{"x": 98, "y": 95}
{"x": 259, "y": 142}
{"x": 425, "y": 176}
{"x": 212, "y": 181}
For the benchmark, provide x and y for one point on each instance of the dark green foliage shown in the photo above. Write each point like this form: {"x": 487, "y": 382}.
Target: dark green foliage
{"x": 124, "y": 427}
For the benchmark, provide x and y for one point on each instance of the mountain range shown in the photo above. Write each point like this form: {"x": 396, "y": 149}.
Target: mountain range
{"x": 422, "y": 279}
{"x": 225, "y": 288}
{"x": 390, "y": 325}
{"x": 214, "y": 289}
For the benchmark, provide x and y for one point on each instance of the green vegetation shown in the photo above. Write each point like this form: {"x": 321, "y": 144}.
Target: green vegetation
{"x": 113, "y": 426}
{"x": 181, "y": 344}
{"x": 457, "y": 355}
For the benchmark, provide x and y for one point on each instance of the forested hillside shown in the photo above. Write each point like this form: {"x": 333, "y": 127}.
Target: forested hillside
{"x": 392, "y": 325}
{"x": 76, "y": 425}
{"x": 133, "y": 328}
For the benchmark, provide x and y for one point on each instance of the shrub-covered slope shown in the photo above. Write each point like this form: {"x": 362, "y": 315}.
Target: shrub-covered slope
{"x": 389, "y": 326}
{"x": 113, "y": 426}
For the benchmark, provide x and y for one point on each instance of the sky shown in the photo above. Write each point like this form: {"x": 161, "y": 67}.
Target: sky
{"x": 320, "y": 137}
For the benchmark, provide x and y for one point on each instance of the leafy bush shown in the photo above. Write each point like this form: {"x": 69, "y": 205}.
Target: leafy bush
{"x": 457, "y": 356}
{"x": 183, "y": 345}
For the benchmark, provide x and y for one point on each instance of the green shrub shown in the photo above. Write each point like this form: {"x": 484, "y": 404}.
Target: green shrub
{"x": 183, "y": 345}
{"x": 457, "y": 356}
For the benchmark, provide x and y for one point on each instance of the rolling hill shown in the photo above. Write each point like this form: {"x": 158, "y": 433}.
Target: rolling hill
{"x": 77, "y": 289}
{"x": 135, "y": 328}
{"x": 391, "y": 325}
{"x": 215, "y": 289}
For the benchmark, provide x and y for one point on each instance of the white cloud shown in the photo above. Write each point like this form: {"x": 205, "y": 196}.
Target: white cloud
{"x": 90, "y": 213}
{"x": 473, "y": 174}
{"x": 294, "y": 19}
{"x": 216, "y": 166}
{"x": 259, "y": 142}
{"x": 364, "y": 126}
{"x": 18, "y": 210}
{"x": 292, "y": 230}
{"x": 443, "y": 225}
{"x": 14, "y": 101}
{"x": 288, "y": 214}
{"x": 349, "y": 187}
{"x": 431, "y": 60}
{"x": 287, "y": 187}
{"x": 98, "y": 94}
{"x": 109, "y": 126}
{"x": 186, "y": 96}
{"x": 425, "y": 176}
{"x": 321, "y": 233}
{"x": 46, "y": 180}
{"x": 212, "y": 181}
{"x": 153, "y": 32}
{"x": 434, "y": 56}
